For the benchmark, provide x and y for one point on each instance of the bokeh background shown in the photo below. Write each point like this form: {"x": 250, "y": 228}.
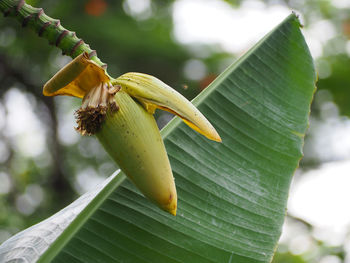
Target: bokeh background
{"x": 45, "y": 164}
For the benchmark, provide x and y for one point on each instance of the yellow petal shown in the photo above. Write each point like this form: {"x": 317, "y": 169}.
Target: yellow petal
{"x": 132, "y": 139}
{"x": 153, "y": 93}
{"x": 76, "y": 78}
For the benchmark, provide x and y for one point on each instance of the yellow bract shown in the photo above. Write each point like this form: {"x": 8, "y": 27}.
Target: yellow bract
{"x": 153, "y": 93}
{"x": 76, "y": 78}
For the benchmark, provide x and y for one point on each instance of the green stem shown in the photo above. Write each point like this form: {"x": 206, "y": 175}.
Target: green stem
{"x": 49, "y": 28}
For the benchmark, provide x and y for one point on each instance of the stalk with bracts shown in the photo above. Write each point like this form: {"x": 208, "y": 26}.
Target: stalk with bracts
{"x": 119, "y": 111}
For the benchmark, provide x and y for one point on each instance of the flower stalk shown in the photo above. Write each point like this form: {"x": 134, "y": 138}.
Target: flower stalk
{"x": 49, "y": 28}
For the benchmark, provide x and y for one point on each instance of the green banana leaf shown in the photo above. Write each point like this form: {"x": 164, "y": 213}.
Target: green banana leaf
{"x": 232, "y": 196}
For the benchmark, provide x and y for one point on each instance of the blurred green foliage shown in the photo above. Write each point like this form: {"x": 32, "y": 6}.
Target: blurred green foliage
{"x": 35, "y": 184}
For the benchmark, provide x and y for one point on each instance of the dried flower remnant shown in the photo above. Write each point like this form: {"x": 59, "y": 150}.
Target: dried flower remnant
{"x": 94, "y": 108}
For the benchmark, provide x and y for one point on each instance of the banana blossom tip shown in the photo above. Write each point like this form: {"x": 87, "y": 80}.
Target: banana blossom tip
{"x": 109, "y": 110}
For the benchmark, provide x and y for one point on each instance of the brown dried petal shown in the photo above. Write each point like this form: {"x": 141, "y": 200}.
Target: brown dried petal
{"x": 93, "y": 111}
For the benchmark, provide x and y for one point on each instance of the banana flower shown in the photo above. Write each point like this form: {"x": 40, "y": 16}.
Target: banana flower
{"x": 120, "y": 113}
